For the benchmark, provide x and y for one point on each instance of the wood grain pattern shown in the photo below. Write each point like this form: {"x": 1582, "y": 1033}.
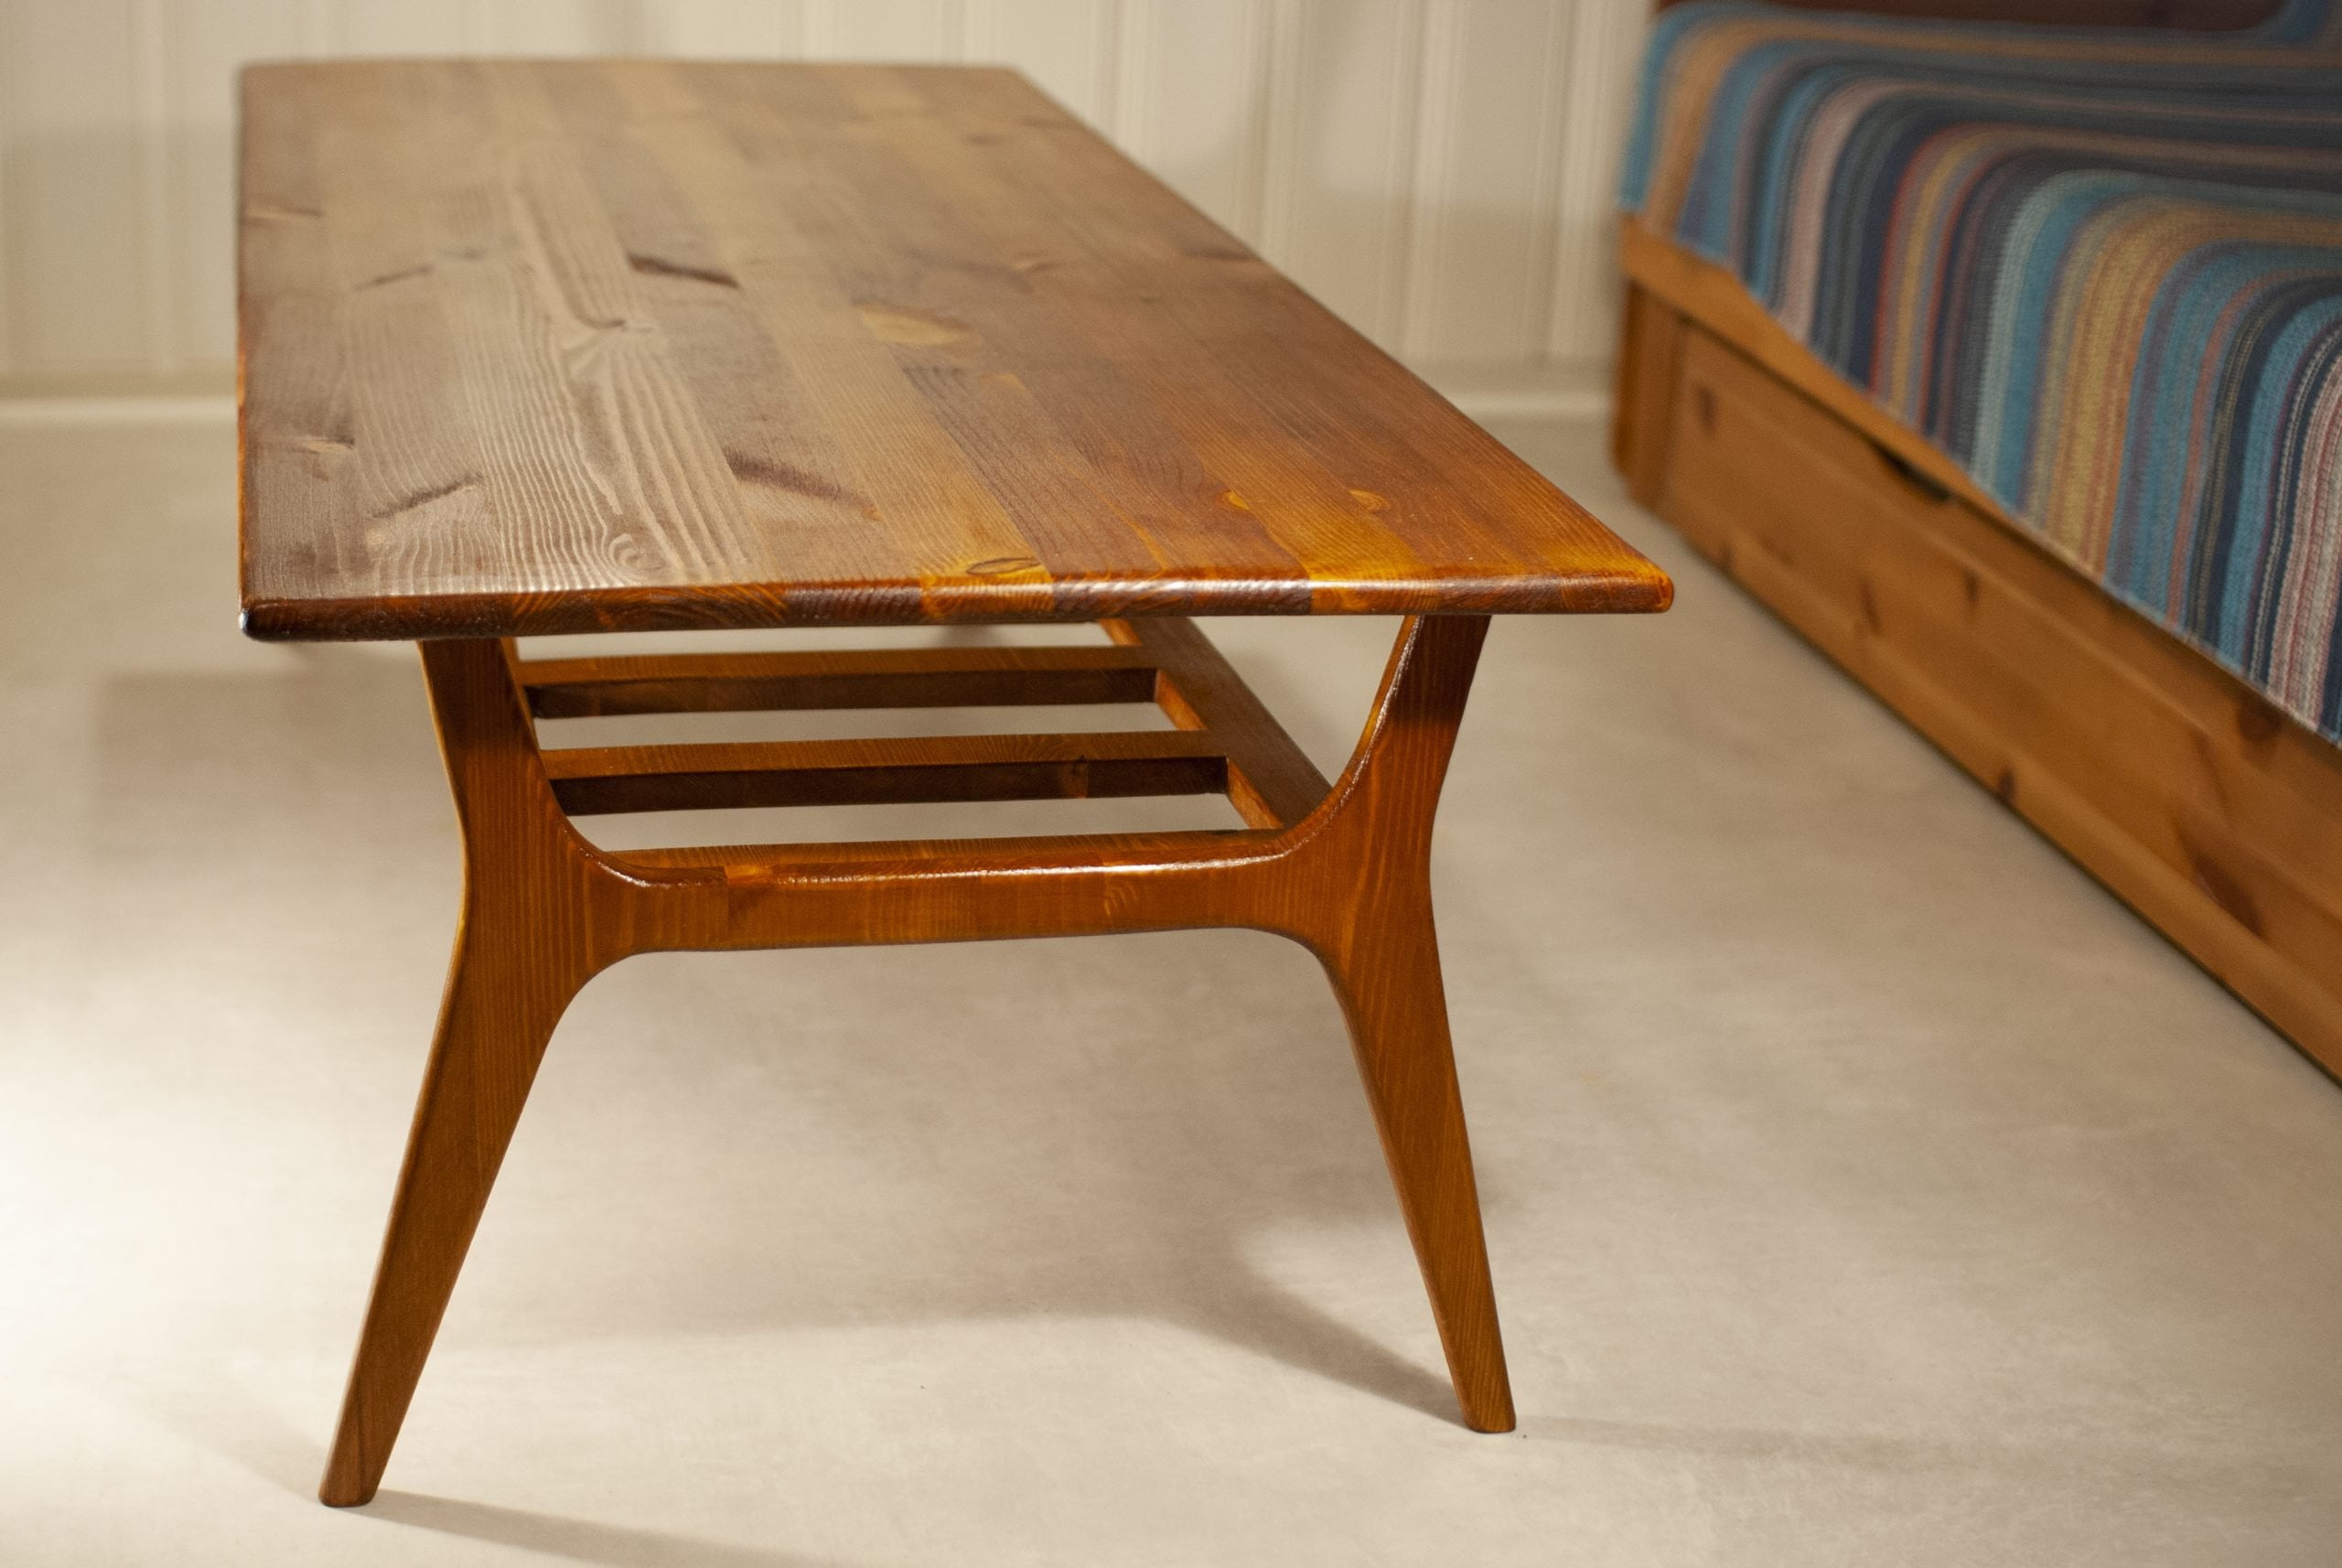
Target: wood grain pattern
{"x": 876, "y": 678}
{"x": 536, "y": 347}
{"x": 1272, "y": 783}
{"x": 539, "y": 346}
{"x": 1644, "y": 387}
{"x": 589, "y": 780}
{"x": 2181, "y": 787}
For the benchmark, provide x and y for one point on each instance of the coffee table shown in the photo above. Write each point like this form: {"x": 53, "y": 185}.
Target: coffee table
{"x": 531, "y": 347}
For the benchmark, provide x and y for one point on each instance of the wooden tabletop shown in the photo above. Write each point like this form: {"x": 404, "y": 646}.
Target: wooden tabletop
{"x": 533, "y": 346}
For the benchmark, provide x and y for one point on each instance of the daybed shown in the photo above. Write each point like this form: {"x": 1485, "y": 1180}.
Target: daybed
{"x": 2001, "y": 360}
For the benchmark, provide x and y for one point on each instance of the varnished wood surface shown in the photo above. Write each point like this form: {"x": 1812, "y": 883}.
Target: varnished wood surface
{"x": 2182, "y": 788}
{"x": 539, "y": 346}
{"x": 1270, "y": 780}
{"x": 873, "y": 678}
{"x": 1343, "y": 869}
{"x": 1643, "y": 385}
{"x": 886, "y": 771}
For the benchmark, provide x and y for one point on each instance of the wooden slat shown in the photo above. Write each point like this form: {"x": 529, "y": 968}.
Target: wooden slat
{"x": 541, "y": 346}
{"x": 745, "y": 863}
{"x": 881, "y": 677}
{"x": 930, "y": 769}
{"x": 1271, "y": 781}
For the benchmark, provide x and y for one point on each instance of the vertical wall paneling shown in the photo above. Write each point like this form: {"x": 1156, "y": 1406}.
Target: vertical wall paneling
{"x": 1429, "y": 177}
{"x": 204, "y": 43}
{"x": 77, "y": 274}
{"x": 819, "y": 29}
{"x": 150, "y": 43}
{"x": 1196, "y": 87}
{"x": 561, "y": 26}
{"x": 895, "y": 30}
{"x": 1438, "y": 171}
{"x": 1483, "y": 197}
{"x": 1110, "y": 62}
{"x": 321, "y": 28}
{"x": 8, "y": 143}
{"x": 725, "y": 29}
{"x": 1341, "y": 158}
{"x": 1279, "y": 178}
{"x": 1597, "y": 95}
{"x": 1070, "y": 48}
{"x": 1134, "y": 35}
{"x": 1544, "y": 185}
{"x": 409, "y": 27}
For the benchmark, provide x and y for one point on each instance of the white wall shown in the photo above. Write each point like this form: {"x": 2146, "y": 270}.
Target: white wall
{"x": 1438, "y": 171}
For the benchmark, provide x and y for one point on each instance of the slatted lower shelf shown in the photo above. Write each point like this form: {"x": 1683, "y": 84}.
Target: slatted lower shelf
{"x": 1224, "y": 741}
{"x": 871, "y": 678}
{"x": 922, "y": 769}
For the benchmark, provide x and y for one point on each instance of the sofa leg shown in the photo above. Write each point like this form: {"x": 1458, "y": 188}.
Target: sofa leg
{"x": 1650, "y": 354}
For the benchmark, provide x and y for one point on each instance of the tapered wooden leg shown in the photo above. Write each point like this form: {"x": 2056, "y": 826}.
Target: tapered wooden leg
{"x": 1350, "y": 877}
{"x": 493, "y": 1026}
{"x": 1369, "y": 922}
{"x": 528, "y": 939}
{"x": 1386, "y": 971}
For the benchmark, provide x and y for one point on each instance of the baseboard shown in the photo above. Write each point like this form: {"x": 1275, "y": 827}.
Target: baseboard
{"x": 1557, "y": 392}
{"x": 1560, "y": 393}
{"x": 50, "y": 412}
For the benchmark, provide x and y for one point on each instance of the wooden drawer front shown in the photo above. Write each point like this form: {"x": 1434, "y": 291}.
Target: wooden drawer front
{"x": 2180, "y": 786}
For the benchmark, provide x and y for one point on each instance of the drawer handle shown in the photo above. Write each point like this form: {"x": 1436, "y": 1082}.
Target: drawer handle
{"x": 1928, "y": 485}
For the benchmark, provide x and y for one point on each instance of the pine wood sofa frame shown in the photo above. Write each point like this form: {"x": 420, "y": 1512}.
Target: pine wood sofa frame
{"x": 2212, "y": 813}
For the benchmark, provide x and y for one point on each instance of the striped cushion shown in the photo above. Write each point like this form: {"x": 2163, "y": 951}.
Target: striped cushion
{"x": 2100, "y": 269}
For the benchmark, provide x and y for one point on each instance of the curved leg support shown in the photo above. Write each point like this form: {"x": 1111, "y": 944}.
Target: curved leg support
{"x": 528, "y": 942}
{"x": 1386, "y": 972}
{"x": 544, "y": 912}
{"x": 1368, "y": 916}
{"x": 493, "y": 1025}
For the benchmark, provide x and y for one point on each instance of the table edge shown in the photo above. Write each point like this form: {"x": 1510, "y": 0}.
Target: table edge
{"x": 422, "y": 616}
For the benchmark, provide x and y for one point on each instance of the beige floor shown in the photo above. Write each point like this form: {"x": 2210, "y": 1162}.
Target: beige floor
{"x": 1863, "y": 1185}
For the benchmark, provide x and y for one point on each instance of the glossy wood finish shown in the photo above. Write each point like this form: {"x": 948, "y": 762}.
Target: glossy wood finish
{"x": 2186, "y": 791}
{"x": 533, "y": 346}
{"x": 1343, "y": 869}
{"x": 879, "y": 677}
{"x": 540, "y": 346}
{"x": 1269, "y": 783}
{"x": 865, "y": 772}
